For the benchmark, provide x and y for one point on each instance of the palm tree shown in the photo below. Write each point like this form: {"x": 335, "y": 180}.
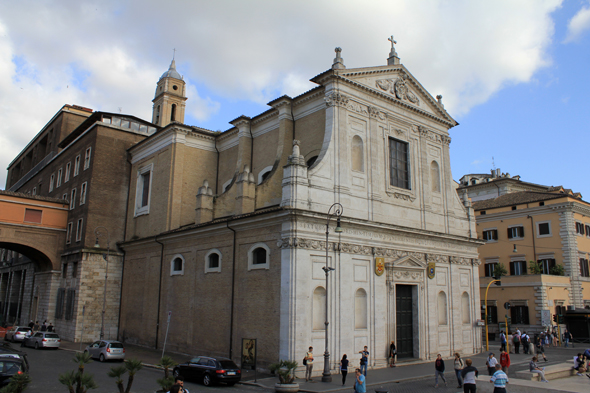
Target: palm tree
{"x": 82, "y": 358}
{"x": 167, "y": 363}
{"x": 132, "y": 366}
{"x": 117, "y": 372}
{"x": 68, "y": 379}
{"x": 82, "y": 381}
{"x": 18, "y": 383}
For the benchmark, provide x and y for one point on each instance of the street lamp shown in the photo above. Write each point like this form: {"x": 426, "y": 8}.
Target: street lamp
{"x": 337, "y": 211}
{"x": 98, "y": 234}
{"x": 498, "y": 282}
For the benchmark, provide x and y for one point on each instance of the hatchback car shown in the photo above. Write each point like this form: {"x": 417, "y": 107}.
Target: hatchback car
{"x": 16, "y": 333}
{"x": 209, "y": 370}
{"x": 6, "y": 351}
{"x": 106, "y": 350}
{"x": 42, "y": 340}
{"x": 9, "y": 367}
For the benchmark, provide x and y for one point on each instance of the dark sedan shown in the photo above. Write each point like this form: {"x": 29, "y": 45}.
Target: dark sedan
{"x": 209, "y": 370}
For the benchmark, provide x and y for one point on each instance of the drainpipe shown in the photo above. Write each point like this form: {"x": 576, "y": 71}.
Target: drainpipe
{"x": 233, "y": 278}
{"x": 117, "y": 248}
{"x": 533, "y": 236}
{"x": 251, "y": 147}
{"x": 159, "y": 289}
{"x": 217, "y": 170}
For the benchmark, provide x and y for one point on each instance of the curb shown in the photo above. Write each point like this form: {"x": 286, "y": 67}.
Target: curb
{"x": 148, "y": 365}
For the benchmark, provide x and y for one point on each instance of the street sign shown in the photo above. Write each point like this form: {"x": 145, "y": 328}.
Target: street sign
{"x": 507, "y": 306}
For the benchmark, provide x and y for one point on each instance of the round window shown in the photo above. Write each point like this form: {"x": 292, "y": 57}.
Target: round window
{"x": 175, "y": 87}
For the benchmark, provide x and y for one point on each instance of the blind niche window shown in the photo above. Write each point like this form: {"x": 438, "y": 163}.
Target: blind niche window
{"x": 399, "y": 166}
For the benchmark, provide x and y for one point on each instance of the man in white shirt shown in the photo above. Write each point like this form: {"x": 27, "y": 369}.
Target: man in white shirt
{"x": 491, "y": 362}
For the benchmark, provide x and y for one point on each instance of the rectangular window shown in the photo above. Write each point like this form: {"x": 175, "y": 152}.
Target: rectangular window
{"x": 516, "y": 232}
{"x": 517, "y": 268}
{"x": 79, "y": 229}
{"x": 77, "y": 165}
{"x": 64, "y": 197}
{"x": 587, "y": 230}
{"x": 546, "y": 265}
{"x": 64, "y": 270}
{"x": 51, "y": 180}
{"x": 87, "y": 158}
{"x": 543, "y": 229}
{"x": 75, "y": 270}
{"x": 492, "y": 314}
{"x": 579, "y": 228}
{"x": 71, "y": 296}
{"x": 34, "y": 190}
{"x": 33, "y": 215}
{"x": 399, "y": 167}
{"x": 73, "y": 199}
{"x": 83, "y": 193}
{"x": 59, "y": 307}
{"x": 142, "y": 196}
{"x": 59, "y": 176}
{"x": 584, "y": 268}
{"x": 69, "y": 233}
{"x": 490, "y": 235}
{"x": 519, "y": 315}
{"x": 490, "y": 269}
{"x": 67, "y": 175}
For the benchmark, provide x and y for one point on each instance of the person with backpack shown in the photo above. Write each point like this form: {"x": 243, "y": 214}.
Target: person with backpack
{"x": 505, "y": 361}
{"x": 516, "y": 341}
{"x": 502, "y": 341}
{"x": 458, "y": 368}
{"x": 524, "y": 340}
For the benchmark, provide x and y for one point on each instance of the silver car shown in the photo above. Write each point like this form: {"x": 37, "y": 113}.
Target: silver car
{"x": 16, "y": 333}
{"x": 106, "y": 350}
{"x": 43, "y": 340}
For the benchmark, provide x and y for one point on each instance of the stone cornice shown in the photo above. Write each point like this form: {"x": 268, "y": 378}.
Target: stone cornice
{"x": 300, "y": 101}
{"x": 272, "y": 113}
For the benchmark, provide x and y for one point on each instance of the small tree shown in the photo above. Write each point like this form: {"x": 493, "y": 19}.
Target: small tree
{"x": 167, "y": 363}
{"x": 18, "y": 383}
{"x": 557, "y": 270}
{"x": 166, "y": 383}
{"x": 535, "y": 267}
{"x": 132, "y": 366}
{"x": 285, "y": 369}
{"x": 82, "y": 381}
{"x": 117, "y": 372}
{"x": 500, "y": 270}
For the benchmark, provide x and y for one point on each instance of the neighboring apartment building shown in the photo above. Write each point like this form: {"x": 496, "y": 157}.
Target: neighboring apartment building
{"x": 79, "y": 157}
{"x": 550, "y": 227}
{"x": 226, "y": 235}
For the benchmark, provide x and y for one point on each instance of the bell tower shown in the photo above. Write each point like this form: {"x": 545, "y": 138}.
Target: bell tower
{"x": 170, "y": 98}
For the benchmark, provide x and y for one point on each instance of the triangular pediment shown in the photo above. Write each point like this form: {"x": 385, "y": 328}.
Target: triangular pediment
{"x": 397, "y": 84}
{"x": 409, "y": 261}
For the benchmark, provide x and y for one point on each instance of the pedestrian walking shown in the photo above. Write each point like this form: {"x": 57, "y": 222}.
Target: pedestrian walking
{"x": 31, "y": 324}
{"x": 439, "y": 366}
{"x": 44, "y": 326}
{"x": 308, "y": 364}
{"x": 567, "y": 337}
{"x": 359, "y": 385}
{"x": 491, "y": 362}
{"x": 524, "y": 340}
{"x": 364, "y": 360}
{"x": 469, "y": 373}
{"x": 344, "y": 368}
{"x": 502, "y": 341}
{"x": 50, "y": 327}
{"x": 516, "y": 341}
{"x": 555, "y": 338}
{"x": 392, "y": 353}
{"x": 499, "y": 379}
{"x": 534, "y": 368}
{"x": 541, "y": 348}
{"x": 505, "y": 361}
{"x": 36, "y": 326}
{"x": 458, "y": 366}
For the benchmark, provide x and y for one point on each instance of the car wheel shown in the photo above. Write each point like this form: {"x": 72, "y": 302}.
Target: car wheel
{"x": 176, "y": 373}
{"x": 207, "y": 381}
{"x": 101, "y": 358}
{"x": 36, "y": 345}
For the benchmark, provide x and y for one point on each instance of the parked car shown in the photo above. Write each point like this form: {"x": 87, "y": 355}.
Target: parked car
{"x": 9, "y": 367}
{"x": 209, "y": 370}
{"x": 106, "y": 350}
{"x": 16, "y": 333}
{"x": 42, "y": 340}
{"x": 6, "y": 351}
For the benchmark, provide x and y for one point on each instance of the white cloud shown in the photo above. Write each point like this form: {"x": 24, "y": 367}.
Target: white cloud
{"x": 108, "y": 55}
{"x": 578, "y": 24}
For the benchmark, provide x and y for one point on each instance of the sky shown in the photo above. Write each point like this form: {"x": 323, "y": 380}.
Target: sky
{"x": 513, "y": 73}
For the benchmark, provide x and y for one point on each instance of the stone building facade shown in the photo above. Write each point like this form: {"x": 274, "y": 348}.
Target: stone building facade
{"x": 226, "y": 232}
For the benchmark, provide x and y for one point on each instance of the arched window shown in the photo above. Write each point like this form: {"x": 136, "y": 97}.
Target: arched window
{"x": 442, "y": 308}
{"x": 258, "y": 256}
{"x": 465, "y": 309}
{"x": 311, "y": 161}
{"x": 264, "y": 174}
{"x": 319, "y": 308}
{"x": 358, "y": 157}
{"x": 158, "y": 115}
{"x": 213, "y": 261}
{"x": 434, "y": 177}
{"x": 173, "y": 113}
{"x": 360, "y": 309}
{"x": 177, "y": 265}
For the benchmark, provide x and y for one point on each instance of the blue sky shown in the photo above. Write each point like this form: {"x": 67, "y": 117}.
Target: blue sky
{"x": 514, "y": 74}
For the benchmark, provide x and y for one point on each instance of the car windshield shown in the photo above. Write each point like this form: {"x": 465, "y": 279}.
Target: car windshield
{"x": 24, "y": 330}
{"x": 51, "y": 335}
{"x": 12, "y": 367}
{"x": 116, "y": 345}
{"x": 195, "y": 360}
{"x": 227, "y": 364}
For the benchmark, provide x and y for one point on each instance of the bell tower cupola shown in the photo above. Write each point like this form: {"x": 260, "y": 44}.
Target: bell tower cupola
{"x": 170, "y": 98}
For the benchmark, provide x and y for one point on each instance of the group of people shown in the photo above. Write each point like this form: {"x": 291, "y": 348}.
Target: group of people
{"x": 35, "y": 327}
{"x": 466, "y": 373}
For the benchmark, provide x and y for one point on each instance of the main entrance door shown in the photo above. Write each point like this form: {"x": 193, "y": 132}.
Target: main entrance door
{"x": 404, "y": 321}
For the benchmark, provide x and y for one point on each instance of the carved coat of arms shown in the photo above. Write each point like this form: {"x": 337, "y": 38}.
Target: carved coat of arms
{"x": 431, "y": 269}
{"x": 379, "y": 266}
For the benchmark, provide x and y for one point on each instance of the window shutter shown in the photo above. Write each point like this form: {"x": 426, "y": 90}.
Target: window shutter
{"x": 551, "y": 264}
{"x": 509, "y": 233}
{"x": 59, "y": 307}
{"x": 512, "y": 268}
{"x": 495, "y": 234}
{"x": 582, "y": 267}
{"x": 524, "y": 271}
{"x": 521, "y": 231}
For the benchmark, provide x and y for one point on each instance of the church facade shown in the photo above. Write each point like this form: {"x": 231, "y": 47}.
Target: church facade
{"x": 226, "y": 232}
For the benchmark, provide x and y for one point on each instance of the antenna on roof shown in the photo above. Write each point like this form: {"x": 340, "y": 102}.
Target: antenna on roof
{"x": 493, "y": 165}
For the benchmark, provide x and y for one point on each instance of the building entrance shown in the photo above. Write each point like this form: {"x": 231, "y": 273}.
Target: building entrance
{"x": 404, "y": 321}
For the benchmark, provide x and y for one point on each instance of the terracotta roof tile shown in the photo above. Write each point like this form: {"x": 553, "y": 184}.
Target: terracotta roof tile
{"x": 517, "y": 198}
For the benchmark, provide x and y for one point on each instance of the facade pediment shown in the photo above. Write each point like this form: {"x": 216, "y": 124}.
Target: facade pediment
{"x": 409, "y": 262}
{"x": 398, "y": 84}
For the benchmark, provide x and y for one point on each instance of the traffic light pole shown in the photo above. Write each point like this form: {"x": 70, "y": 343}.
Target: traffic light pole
{"x": 486, "y": 308}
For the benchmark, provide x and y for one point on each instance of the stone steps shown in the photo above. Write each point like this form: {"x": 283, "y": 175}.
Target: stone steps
{"x": 556, "y": 371}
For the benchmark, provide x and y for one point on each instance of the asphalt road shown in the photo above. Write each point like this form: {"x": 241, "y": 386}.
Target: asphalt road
{"x": 47, "y": 364}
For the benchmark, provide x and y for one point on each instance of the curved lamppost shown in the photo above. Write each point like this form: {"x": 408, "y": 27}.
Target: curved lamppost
{"x": 335, "y": 210}
{"x": 98, "y": 234}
